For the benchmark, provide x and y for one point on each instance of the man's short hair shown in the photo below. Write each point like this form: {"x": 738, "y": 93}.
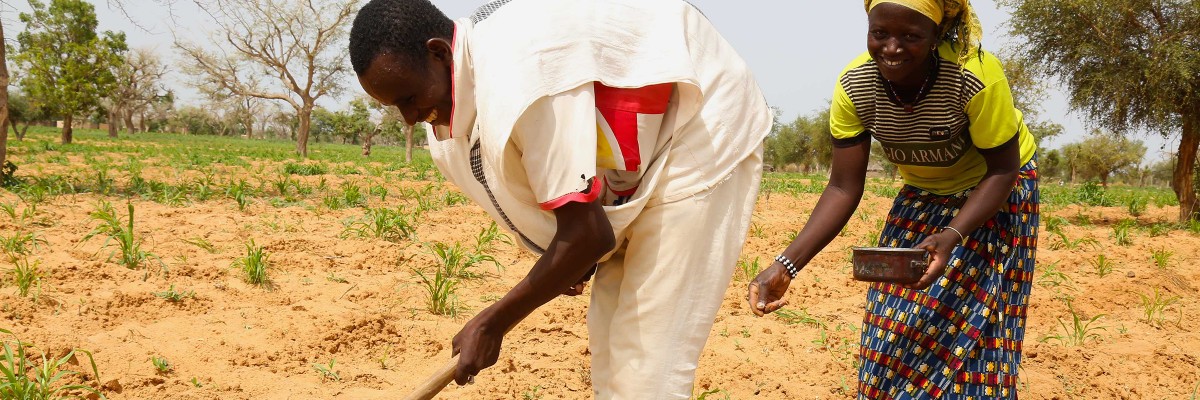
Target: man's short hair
{"x": 400, "y": 27}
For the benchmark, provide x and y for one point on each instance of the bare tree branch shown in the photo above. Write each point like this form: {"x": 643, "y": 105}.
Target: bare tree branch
{"x": 291, "y": 41}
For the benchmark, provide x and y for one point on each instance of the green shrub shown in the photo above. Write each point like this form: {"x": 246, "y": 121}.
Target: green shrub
{"x": 254, "y": 265}
{"x": 308, "y": 169}
{"x": 1092, "y": 194}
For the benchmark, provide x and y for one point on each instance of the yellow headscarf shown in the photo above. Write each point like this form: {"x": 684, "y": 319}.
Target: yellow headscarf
{"x": 956, "y": 21}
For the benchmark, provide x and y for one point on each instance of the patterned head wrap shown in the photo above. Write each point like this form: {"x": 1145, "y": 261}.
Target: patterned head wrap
{"x": 956, "y": 21}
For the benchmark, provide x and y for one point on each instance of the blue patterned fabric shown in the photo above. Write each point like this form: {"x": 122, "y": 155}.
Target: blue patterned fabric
{"x": 961, "y": 337}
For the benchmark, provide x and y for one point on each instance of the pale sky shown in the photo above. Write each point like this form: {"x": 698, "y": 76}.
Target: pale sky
{"x": 795, "y": 48}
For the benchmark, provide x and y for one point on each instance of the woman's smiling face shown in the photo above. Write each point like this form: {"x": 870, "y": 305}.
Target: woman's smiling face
{"x": 901, "y": 40}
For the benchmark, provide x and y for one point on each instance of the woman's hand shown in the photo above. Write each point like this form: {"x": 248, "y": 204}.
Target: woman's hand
{"x": 939, "y": 245}
{"x": 837, "y": 203}
{"x": 767, "y": 290}
{"x": 479, "y": 347}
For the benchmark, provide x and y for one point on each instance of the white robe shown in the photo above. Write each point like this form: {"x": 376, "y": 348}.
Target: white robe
{"x": 530, "y": 49}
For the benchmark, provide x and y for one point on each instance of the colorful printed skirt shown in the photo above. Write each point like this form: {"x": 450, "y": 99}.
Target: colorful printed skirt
{"x": 961, "y": 337}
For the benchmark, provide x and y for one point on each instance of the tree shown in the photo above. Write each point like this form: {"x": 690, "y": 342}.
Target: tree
{"x": 1044, "y": 130}
{"x": 195, "y": 120}
{"x": 247, "y": 111}
{"x": 356, "y": 123}
{"x": 1050, "y": 164}
{"x": 1104, "y": 154}
{"x": 3, "y": 104}
{"x": 297, "y": 42}
{"x": 1127, "y": 65}
{"x": 348, "y": 126}
{"x": 804, "y": 142}
{"x": 1161, "y": 171}
{"x": 1028, "y": 92}
{"x": 392, "y": 125}
{"x": 1136, "y": 174}
{"x": 324, "y": 124}
{"x": 158, "y": 114}
{"x": 283, "y": 124}
{"x": 1071, "y": 156}
{"x": 137, "y": 85}
{"x": 21, "y": 112}
{"x": 67, "y": 67}
{"x": 242, "y": 108}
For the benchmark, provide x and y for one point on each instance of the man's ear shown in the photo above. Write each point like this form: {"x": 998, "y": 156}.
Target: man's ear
{"x": 440, "y": 50}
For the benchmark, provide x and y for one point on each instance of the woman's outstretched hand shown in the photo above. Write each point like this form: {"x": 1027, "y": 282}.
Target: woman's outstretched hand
{"x": 767, "y": 290}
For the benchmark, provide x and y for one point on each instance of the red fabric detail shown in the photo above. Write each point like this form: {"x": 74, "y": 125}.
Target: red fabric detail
{"x": 644, "y": 100}
{"x": 592, "y": 194}
{"x": 624, "y": 127}
{"x": 625, "y": 193}
{"x": 977, "y": 378}
{"x": 620, "y": 108}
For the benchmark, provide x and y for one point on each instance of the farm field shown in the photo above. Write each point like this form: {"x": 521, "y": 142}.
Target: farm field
{"x": 194, "y": 267}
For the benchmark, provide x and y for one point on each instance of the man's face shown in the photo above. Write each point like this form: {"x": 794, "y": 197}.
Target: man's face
{"x": 420, "y": 89}
{"x": 901, "y": 41}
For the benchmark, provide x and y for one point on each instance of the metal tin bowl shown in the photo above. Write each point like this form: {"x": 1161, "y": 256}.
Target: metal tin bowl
{"x": 889, "y": 264}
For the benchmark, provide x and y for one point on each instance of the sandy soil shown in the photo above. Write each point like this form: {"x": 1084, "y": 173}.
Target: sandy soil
{"x": 358, "y": 302}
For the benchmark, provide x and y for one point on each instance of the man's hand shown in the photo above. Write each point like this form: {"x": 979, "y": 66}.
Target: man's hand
{"x": 583, "y": 237}
{"x": 577, "y": 289}
{"x": 478, "y": 347}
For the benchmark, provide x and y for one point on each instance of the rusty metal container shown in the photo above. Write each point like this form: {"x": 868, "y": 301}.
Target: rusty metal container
{"x": 889, "y": 264}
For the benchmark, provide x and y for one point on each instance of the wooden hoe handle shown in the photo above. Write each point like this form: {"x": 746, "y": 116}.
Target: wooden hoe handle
{"x": 436, "y": 382}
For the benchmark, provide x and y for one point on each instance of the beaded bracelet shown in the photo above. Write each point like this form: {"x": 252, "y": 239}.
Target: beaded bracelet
{"x": 789, "y": 265}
